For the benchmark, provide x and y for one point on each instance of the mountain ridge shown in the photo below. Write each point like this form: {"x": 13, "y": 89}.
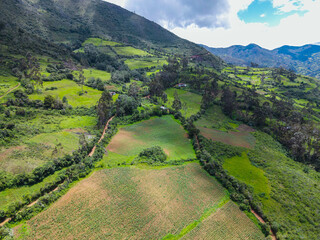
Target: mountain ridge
{"x": 303, "y": 59}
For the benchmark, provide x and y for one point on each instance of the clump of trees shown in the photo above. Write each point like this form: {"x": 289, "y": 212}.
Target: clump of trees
{"x": 153, "y": 156}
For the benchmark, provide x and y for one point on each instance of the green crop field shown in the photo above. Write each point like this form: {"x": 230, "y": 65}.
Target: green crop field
{"x": 164, "y": 132}
{"x": 191, "y": 101}
{"x": 132, "y": 203}
{"x": 71, "y": 90}
{"x": 145, "y": 62}
{"x": 130, "y": 51}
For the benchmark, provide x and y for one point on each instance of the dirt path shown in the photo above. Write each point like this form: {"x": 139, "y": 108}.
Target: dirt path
{"x": 10, "y": 90}
{"x": 273, "y": 236}
{"x": 102, "y": 136}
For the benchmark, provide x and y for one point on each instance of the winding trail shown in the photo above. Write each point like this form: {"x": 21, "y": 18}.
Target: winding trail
{"x": 102, "y": 136}
{"x": 10, "y": 90}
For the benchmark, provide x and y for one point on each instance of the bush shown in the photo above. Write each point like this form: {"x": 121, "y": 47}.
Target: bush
{"x": 153, "y": 155}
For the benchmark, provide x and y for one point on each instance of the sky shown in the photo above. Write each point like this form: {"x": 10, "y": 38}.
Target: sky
{"x": 222, "y": 23}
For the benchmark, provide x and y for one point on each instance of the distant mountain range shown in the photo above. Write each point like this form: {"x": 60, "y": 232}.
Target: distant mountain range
{"x": 304, "y": 60}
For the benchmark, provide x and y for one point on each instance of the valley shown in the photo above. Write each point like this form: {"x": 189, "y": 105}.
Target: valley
{"x": 110, "y": 131}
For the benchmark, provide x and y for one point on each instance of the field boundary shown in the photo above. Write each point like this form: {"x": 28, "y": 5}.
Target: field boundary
{"x": 203, "y": 217}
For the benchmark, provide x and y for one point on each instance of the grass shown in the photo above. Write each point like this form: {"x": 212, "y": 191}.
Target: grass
{"x": 7, "y": 83}
{"x": 99, "y": 42}
{"x": 130, "y": 51}
{"x": 71, "y": 90}
{"x": 164, "y": 132}
{"x": 103, "y": 75}
{"x": 192, "y": 101}
{"x": 124, "y": 203}
{"x": 242, "y": 169}
{"x": 9, "y": 196}
{"x": 38, "y": 150}
{"x": 145, "y": 62}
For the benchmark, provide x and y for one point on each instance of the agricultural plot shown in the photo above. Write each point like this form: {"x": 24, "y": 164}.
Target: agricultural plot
{"x": 99, "y": 42}
{"x": 216, "y": 126}
{"x": 59, "y": 135}
{"x": 128, "y": 203}
{"x": 9, "y": 196}
{"x": 94, "y": 73}
{"x": 227, "y": 223}
{"x": 164, "y": 132}
{"x": 130, "y": 51}
{"x": 145, "y": 62}
{"x": 71, "y": 91}
{"x": 241, "y": 168}
{"x": 7, "y": 83}
{"x": 191, "y": 102}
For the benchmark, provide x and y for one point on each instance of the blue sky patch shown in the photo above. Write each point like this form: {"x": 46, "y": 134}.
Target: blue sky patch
{"x": 262, "y": 11}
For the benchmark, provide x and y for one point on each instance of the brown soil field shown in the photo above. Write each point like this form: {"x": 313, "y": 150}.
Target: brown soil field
{"x": 127, "y": 203}
{"x": 227, "y": 223}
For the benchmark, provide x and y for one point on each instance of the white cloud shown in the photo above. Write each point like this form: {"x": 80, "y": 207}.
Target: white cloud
{"x": 262, "y": 15}
{"x": 294, "y": 30}
{"x": 121, "y": 3}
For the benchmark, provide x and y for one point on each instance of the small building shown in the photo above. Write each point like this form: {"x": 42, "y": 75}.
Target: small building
{"x": 182, "y": 85}
{"x": 113, "y": 93}
{"x": 163, "y": 108}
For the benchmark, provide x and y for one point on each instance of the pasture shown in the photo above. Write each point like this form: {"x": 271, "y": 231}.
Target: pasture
{"x": 165, "y": 132}
{"x": 130, "y": 51}
{"x": 71, "y": 91}
{"x": 99, "y": 42}
{"x": 123, "y": 203}
{"x": 145, "y": 62}
{"x": 103, "y": 75}
{"x": 191, "y": 102}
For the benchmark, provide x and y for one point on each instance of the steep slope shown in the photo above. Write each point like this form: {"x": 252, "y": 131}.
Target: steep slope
{"x": 70, "y": 22}
{"x": 304, "y": 60}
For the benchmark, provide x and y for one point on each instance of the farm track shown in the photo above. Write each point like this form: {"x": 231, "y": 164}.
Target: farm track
{"x": 273, "y": 236}
{"x": 10, "y": 90}
{"x": 90, "y": 155}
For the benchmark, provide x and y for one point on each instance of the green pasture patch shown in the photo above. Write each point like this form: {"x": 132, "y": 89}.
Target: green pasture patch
{"x": 130, "y": 51}
{"x": 103, "y": 75}
{"x": 99, "y": 42}
{"x": 7, "y": 83}
{"x": 191, "y": 102}
{"x": 145, "y": 62}
{"x": 66, "y": 141}
{"x": 164, "y": 132}
{"x": 12, "y": 195}
{"x": 242, "y": 169}
{"x": 71, "y": 90}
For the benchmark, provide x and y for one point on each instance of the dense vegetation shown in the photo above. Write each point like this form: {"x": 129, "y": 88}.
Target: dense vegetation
{"x": 254, "y": 129}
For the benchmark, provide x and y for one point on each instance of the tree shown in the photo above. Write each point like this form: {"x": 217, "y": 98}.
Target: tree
{"x": 125, "y": 105}
{"x": 104, "y": 108}
{"x": 49, "y": 101}
{"x": 176, "y": 105}
{"x": 82, "y": 79}
{"x": 156, "y": 87}
{"x": 210, "y": 92}
{"x": 228, "y": 101}
{"x": 133, "y": 90}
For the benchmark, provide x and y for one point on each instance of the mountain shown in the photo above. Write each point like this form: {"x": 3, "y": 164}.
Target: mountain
{"x": 304, "y": 60}
{"x": 68, "y": 23}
